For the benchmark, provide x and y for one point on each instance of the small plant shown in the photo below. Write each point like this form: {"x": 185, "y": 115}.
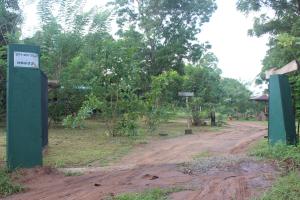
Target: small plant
{"x": 69, "y": 173}
{"x": 7, "y": 187}
{"x": 153, "y": 194}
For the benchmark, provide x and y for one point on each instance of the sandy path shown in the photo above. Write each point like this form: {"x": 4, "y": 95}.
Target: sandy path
{"x": 155, "y": 165}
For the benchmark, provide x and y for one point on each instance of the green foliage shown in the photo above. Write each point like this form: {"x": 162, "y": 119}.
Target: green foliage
{"x": 169, "y": 30}
{"x": 69, "y": 173}
{"x": 7, "y": 187}
{"x": 204, "y": 82}
{"x": 136, "y": 75}
{"x": 295, "y": 85}
{"x": 196, "y": 104}
{"x": 284, "y": 30}
{"x": 236, "y": 97}
{"x": 86, "y": 110}
{"x": 153, "y": 194}
{"x": 280, "y": 152}
{"x": 10, "y": 19}
{"x": 63, "y": 102}
{"x": 2, "y": 82}
{"x": 164, "y": 91}
{"x": 285, "y": 188}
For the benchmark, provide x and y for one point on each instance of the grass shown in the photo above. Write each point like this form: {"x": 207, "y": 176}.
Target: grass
{"x": 73, "y": 173}
{"x": 153, "y": 194}
{"x": 204, "y": 154}
{"x": 279, "y": 152}
{"x": 7, "y": 187}
{"x": 92, "y": 147}
{"x": 285, "y": 188}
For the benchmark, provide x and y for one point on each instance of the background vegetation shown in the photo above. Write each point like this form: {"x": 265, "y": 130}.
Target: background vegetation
{"x": 281, "y": 22}
{"x": 132, "y": 75}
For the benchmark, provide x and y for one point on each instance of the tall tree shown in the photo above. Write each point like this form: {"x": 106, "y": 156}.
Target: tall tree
{"x": 170, "y": 29}
{"x": 284, "y": 31}
{"x": 283, "y": 27}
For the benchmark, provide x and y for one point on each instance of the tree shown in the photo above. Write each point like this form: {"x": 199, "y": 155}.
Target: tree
{"x": 205, "y": 83}
{"x": 170, "y": 29}
{"x": 283, "y": 28}
{"x": 10, "y": 19}
{"x": 236, "y": 97}
{"x": 284, "y": 35}
{"x": 163, "y": 93}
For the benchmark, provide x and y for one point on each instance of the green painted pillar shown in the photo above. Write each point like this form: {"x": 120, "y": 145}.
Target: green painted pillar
{"x": 281, "y": 116}
{"x": 24, "y": 107}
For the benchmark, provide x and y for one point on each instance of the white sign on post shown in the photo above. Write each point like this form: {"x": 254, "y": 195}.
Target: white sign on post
{"x": 186, "y": 94}
{"x": 26, "y": 59}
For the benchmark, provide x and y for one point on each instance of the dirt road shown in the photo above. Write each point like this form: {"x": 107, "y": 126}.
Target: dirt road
{"x": 157, "y": 165}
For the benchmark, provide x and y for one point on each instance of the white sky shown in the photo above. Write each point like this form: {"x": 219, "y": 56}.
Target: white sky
{"x": 239, "y": 54}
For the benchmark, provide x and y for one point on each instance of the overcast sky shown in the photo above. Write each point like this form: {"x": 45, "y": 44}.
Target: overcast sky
{"x": 239, "y": 55}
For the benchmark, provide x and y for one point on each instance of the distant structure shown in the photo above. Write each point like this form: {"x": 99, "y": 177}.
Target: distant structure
{"x": 263, "y": 98}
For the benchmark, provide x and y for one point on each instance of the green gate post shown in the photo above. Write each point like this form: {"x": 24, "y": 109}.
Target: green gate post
{"x": 281, "y": 116}
{"x": 24, "y": 107}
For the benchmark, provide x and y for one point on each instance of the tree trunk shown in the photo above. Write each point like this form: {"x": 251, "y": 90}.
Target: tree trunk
{"x": 213, "y": 119}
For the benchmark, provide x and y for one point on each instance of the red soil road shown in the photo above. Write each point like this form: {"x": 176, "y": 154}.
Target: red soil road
{"x": 155, "y": 165}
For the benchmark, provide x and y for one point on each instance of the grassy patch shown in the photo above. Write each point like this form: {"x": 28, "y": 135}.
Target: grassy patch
{"x": 73, "y": 173}
{"x": 92, "y": 147}
{"x": 285, "y": 188}
{"x": 7, "y": 187}
{"x": 279, "y": 152}
{"x": 89, "y": 146}
{"x": 288, "y": 186}
{"x": 203, "y": 154}
{"x": 153, "y": 194}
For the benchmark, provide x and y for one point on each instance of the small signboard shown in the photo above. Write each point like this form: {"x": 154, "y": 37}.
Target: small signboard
{"x": 26, "y": 59}
{"x": 186, "y": 94}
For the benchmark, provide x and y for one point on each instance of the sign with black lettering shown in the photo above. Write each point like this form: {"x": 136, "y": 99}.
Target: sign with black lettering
{"x": 26, "y": 59}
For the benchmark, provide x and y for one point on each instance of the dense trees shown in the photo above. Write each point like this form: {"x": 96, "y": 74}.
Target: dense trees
{"x": 282, "y": 23}
{"x": 136, "y": 73}
{"x": 169, "y": 28}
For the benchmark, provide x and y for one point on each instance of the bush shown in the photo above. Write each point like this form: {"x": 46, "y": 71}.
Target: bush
{"x": 77, "y": 121}
{"x": 63, "y": 102}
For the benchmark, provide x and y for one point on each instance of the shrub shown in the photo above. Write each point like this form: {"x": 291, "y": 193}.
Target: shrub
{"x": 77, "y": 120}
{"x": 7, "y": 187}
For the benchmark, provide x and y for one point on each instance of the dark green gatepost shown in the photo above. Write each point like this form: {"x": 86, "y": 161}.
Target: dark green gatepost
{"x": 24, "y": 107}
{"x": 281, "y": 116}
